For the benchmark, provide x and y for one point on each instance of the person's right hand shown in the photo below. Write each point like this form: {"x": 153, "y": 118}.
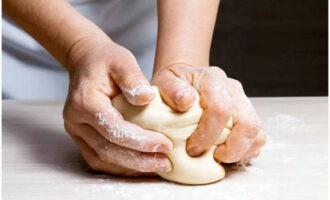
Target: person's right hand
{"x": 99, "y": 71}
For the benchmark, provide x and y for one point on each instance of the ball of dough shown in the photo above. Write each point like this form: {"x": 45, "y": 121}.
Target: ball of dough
{"x": 157, "y": 116}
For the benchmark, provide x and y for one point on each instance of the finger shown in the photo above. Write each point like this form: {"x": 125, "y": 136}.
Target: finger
{"x": 245, "y": 130}
{"x": 128, "y": 158}
{"x": 216, "y": 103}
{"x": 177, "y": 93}
{"x": 128, "y": 76}
{"x": 255, "y": 154}
{"x": 254, "y": 150}
{"x": 237, "y": 144}
{"x": 129, "y": 135}
{"x": 225, "y": 132}
{"x": 99, "y": 113}
{"x": 94, "y": 161}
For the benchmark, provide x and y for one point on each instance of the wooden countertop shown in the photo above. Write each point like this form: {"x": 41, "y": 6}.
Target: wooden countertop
{"x": 41, "y": 162}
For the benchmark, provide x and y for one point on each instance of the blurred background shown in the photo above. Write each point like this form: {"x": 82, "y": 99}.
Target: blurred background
{"x": 274, "y": 47}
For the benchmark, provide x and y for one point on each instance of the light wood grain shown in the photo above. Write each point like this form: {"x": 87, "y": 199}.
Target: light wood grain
{"x": 41, "y": 162}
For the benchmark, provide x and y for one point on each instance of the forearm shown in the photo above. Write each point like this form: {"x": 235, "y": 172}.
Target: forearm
{"x": 185, "y": 29}
{"x": 55, "y": 24}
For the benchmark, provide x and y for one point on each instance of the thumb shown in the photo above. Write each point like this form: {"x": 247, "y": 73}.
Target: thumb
{"x": 177, "y": 93}
{"x": 125, "y": 71}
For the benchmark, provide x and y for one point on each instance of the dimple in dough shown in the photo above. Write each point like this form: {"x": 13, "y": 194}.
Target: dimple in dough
{"x": 157, "y": 116}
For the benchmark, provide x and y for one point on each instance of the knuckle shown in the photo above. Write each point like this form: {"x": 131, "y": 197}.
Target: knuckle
{"x": 133, "y": 80}
{"x": 227, "y": 154}
{"x": 232, "y": 158}
{"x": 206, "y": 91}
{"x": 103, "y": 156}
{"x": 94, "y": 164}
{"x": 219, "y": 107}
{"x": 235, "y": 83}
{"x": 66, "y": 113}
{"x": 221, "y": 110}
{"x": 93, "y": 161}
{"x": 70, "y": 107}
{"x": 216, "y": 71}
{"x": 67, "y": 127}
{"x": 256, "y": 127}
{"x": 256, "y": 154}
{"x": 211, "y": 94}
{"x": 75, "y": 101}
{"x": 261, "y": 140}
{"x": 125, "y": 57}
{"x": 128, "y": 55}
{"x": 253, "y": 129}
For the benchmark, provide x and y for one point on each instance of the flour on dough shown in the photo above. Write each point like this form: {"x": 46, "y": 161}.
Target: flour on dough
{"x": 157, "y": 116}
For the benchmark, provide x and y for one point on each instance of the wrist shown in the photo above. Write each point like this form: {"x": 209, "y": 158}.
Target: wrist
{"x": 169, "y": 57}
{"x": 165, "y": 65}
{"x": 84, "y": 48}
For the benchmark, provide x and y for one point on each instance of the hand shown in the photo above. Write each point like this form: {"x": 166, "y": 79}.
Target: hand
{"x": 221, "y": 98}
{"x": 108, "y": 143}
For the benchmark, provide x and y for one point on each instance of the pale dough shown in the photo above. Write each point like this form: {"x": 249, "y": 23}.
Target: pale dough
{"x": 157, "y": 116}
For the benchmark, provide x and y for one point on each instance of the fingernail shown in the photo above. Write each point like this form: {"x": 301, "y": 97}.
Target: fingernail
{"x": 180, "y": 97}
{"x": 140, "y": 94}
{"x": 195, "y": 151}
{"x": 139, "y": 90}
{"x": 183, "y": 99}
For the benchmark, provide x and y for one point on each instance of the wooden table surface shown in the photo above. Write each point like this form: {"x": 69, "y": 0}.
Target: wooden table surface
{"x": 41, "y": 162}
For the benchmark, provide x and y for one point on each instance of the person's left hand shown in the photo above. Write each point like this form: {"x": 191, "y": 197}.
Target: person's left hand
{"x": 221, "y": 98}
